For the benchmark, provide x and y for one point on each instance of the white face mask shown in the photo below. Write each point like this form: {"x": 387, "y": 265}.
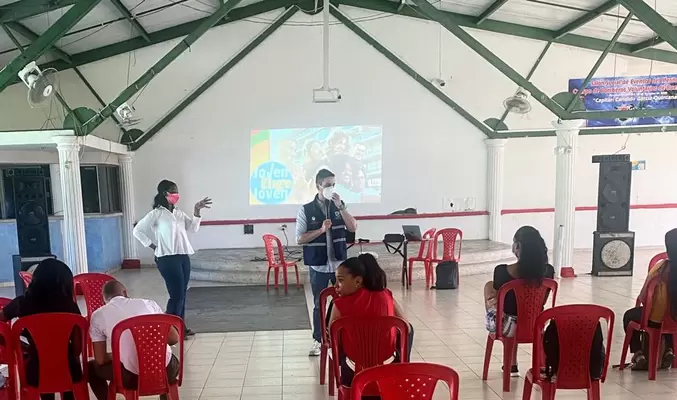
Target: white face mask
{"x": 328, "y": 192}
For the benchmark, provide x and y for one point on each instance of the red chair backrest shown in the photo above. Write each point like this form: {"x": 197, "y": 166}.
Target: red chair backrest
{"x": 668, "y": 323}
{"x": 530, "y": 302}
{"x": 4, "y": 301}
{"x": 273, "y": 245}
{"x": 366, "y": 336}
{"x": 451, "y": 244}
{"x": 426, "y": 248}
{"x": 150, "y": 333}
{"x": 658, "y": 257}
{"x": 51, "y": 334}
{"x": 91, "y": 285}
{"x": 26, "y": 277}
{"x": 576, "y": 326}
{"x": 324, "y": 296}
{"x": 406, "y": 381}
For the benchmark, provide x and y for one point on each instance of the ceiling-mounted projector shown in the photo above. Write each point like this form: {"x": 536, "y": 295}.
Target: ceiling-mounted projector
{"x": 329, "y": 95}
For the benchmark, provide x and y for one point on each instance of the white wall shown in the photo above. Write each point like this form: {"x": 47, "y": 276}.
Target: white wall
{"x": 430, "y": 152}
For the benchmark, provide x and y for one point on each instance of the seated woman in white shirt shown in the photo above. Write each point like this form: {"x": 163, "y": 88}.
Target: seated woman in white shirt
{"x": 119, "y": 307}
{"x": 164, "y": 230}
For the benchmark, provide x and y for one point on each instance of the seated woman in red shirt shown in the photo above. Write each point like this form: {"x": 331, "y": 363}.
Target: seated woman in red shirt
{"x": 361, "y": 287}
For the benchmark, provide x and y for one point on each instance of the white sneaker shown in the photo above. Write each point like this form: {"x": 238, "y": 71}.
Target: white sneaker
{"x": 315, "y": 350}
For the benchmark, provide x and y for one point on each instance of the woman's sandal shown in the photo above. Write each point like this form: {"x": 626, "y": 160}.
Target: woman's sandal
{"x": 668, "y": 358}
{"x": 639, "y": 363}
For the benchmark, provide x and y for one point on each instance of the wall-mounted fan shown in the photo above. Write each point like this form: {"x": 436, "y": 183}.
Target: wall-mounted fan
{"x": 41, "y": 84}
{"x": 518, "y": 103}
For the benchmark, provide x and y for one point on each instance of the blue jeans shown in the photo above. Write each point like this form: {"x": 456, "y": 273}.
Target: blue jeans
{"x": 175, "y": 270}
{"x": 318, "y": 282}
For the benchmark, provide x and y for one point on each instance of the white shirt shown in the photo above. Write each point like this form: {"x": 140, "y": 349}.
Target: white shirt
{"x": 302, "y": 227}
{"x": 119, "y": 308}
{"x": 168, "y": 230}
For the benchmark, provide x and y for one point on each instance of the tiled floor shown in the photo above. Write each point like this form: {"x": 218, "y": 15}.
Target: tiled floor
{"x": 449, "y": 329}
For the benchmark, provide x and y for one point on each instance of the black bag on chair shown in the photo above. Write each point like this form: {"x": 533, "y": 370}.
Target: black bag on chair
{"x": 446, "y": 275}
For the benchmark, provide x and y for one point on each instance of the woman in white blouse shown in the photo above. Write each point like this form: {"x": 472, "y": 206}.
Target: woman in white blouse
{"x": 164, "y": 230}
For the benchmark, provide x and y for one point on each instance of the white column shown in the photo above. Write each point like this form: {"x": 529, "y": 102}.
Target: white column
{"x": 127, "y": 187}
{"x": 73, "y": 228}
{"x": 495, "y": 156}
{"x": 55, "y": 180}
{"x": 565, "y": 209}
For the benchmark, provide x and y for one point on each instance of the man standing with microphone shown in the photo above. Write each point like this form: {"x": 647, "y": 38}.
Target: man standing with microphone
{"x": 321, "y": 227}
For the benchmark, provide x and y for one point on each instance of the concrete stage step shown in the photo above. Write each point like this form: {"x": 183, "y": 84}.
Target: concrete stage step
{"x": 236, "y": 266}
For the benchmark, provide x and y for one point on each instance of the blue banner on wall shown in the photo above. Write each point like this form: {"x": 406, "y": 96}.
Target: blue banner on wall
{"x": 628, "y": 93}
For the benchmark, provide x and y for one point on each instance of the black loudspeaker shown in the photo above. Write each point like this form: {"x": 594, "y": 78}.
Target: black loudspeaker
{"x": 613, "y": 254}
{"x": 30, "y": 202}
{"x": 613, "y": 198}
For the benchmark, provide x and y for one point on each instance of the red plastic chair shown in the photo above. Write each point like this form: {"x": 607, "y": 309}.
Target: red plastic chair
{"x": 9, "y": 391}
{"x": 4, "y": 301}
{"x": 658, "y": 257}
{"x": 530, "y": 302}
{"x": 149, "y": 333}
{"x": 450, "y": 251}
{"x": 272, "y": 244}
{"x": 326, "y": 344}
{"x": 91, "y": 285}
{"x": 410, "y": 381}
{"x": 668, "y": 325}
{"x": 576, "y": 326}
{"x": 425, "y": 254}
{"x": 27, "y": 277}
{"x": 51, "y": 334}
{"x": 366, "y": 334}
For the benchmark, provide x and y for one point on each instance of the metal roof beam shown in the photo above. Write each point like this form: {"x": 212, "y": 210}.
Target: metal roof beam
{"x": 32, "y": 36}
{"x": 653, "y": 20}
{"x": 493, "y": 7}
{"x": 450, "y": 24}
{"x": 46, "y": 40}
{"x": 159, "y": 66}
{"x": 646, "y": 44}
{"x": 29, "y": 8}
{"x": 132, "y": 19}
{"x": 214, "y": 78}
{"x": 589, "y": 131}
{"x": 599, "y": 62}
{"x": 590, "y": 16}
{"x": 507, "y": 28}
{"x": 164, "y": 35}
{"x": 410, "y": 71}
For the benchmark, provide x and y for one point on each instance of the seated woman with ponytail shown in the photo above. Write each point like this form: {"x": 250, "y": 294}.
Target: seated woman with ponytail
{"x": 532, "y": 266}
{"x": 361, "y": 287}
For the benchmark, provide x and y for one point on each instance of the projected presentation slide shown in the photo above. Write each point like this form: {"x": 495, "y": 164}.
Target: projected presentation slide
{"x": 283, "y": 163}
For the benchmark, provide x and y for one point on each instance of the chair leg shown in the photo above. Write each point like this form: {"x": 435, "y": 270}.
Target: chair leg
{"x": 594, "y": 392}
{"x": 626, "y": 344}
{"x": 323, "y": 365}
{"x": 487, "y": 357}
{"x": 268, "y": 279}
{"x": 508, "y": 346}
{"x": 277, "y": 276}
{"x": 332, "y": 378}
{"x": 548, "y": 391}
{"x": 173, "y": 392}
{"x": 411, "y": 270}
{"x": 284, "y": 278}
{"x": 528, "y": 386}
{"x": 298, "y": 282}
{"x": 654, "y": 349}
{"x": 111, "y": 391}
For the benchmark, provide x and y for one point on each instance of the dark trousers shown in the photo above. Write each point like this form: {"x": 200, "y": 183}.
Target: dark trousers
{"x": 175, "y": 270}
{"x": 635, "y": 314}
{"x": 318, "y": 282}
{"x": 32, "y": 377}
{"x": 100, "y": 375}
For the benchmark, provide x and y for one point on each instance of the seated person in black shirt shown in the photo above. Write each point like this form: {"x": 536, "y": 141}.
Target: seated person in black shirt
{"x": 51, "y": 290}
{"x": 532, "y": 265}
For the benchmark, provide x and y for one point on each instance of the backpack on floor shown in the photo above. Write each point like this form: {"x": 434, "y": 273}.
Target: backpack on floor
{"x": 446, "y": 275}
